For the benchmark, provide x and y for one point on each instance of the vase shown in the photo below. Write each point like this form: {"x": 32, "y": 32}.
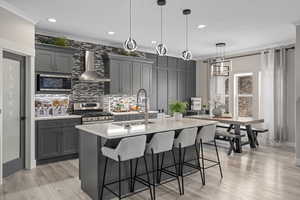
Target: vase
{"x": 178, "y": 116}
{"x": 217, "y": 112}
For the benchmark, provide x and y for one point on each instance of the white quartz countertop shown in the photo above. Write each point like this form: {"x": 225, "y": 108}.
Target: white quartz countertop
{"x": 131, "y": 113}
{"x": 229, "y": 120}
{"x": 58, "y": 117}
{"x": 113, "y": 130}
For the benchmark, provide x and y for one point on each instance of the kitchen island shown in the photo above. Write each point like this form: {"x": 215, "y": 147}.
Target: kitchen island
{"x": 94, "y": 136}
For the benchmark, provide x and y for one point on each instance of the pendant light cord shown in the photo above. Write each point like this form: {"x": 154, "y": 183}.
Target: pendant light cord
{"x": 161, "y": 24}
{"x": 186, "y": 33}
{"x": 130, "y": 18}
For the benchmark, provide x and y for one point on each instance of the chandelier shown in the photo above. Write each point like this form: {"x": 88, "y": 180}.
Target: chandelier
{"x": 220, "y": 66}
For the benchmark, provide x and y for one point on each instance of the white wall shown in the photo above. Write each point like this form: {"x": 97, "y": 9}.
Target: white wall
{"x": 297, "y": 97}
{"x": 17, "y": 36}
{"x": 202, "y": 81}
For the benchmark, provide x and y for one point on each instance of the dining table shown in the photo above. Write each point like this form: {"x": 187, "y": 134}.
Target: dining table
{"x": 238, "y": 124}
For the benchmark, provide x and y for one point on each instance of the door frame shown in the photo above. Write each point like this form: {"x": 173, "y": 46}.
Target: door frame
{"x": 18, "y": 164}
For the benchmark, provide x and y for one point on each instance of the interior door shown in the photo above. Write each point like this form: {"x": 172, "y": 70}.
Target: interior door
{"x": 13, "y": 113}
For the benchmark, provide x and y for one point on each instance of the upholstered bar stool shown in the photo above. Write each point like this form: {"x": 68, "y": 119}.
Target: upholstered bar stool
{"x": 128, "y": 149}
{"x": 160, "y": 144}
{"x": 206, "y": 134}
{"x": 185, "y": 138}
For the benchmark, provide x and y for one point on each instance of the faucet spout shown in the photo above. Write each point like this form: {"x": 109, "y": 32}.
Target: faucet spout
{"x": 145, "y": 102}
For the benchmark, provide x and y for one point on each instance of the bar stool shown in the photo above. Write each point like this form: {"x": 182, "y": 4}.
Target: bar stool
{"x": 185, "y": 138}
{"x": 161, "y": 143}
{"x": 205, "y": 135}
{"x": 127, "y": 150}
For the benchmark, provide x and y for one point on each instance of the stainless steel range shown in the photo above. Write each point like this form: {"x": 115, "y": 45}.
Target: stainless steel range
{"x": 92, "y": 113}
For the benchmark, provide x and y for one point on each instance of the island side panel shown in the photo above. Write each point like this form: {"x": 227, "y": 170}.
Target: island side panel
{"x": 88, "y": 164}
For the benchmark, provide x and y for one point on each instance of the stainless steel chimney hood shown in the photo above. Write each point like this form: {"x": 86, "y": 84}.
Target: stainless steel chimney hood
{"x": 90, "y": 74}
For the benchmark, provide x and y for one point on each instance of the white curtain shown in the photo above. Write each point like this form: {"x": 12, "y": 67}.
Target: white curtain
{"x": 280, "y": 94}
{"x": 217, "y": 89}
{"x": 267, "y": 93}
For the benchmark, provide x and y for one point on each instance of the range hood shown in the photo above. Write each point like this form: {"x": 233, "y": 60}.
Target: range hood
{"x": 90, "y": 74}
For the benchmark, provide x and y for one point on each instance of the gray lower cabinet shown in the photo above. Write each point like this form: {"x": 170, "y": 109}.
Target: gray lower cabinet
{"x": 53, "y": 59}
{"x": 56, "y": 139}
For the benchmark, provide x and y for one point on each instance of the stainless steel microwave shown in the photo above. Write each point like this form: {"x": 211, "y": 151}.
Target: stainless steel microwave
{"x": 54, "y": 83}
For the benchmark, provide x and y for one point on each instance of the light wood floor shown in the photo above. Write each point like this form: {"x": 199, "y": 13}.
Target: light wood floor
{"x": 265, "y": 174}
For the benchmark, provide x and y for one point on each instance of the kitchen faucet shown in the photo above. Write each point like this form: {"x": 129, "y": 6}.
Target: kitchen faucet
{"x": 146, "y": 103}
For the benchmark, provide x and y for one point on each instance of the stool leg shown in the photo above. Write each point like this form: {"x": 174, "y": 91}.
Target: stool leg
{"x": 202, "y": 158}
{"x": 148, "y": 177}
{"x": 181, "y": 168}
{"x": 161, "y": 166}
{"x": 131, "y": 177}
{"x": 177, "y": 171}
{"x": 198, "y": 162}
{"x": 103, "y": 181}
{"x": 217, "y": 152}
{"x": 157, "y": 168}
{"x": 135, "y": 172}
{"x": 153, "y": 174}
{"x": 120, "y": 183}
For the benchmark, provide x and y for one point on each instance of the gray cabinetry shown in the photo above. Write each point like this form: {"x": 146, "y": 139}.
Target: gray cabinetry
{"x": 162, "y": 89}
{"x": 56, "y": 139}
{"x": 136, "y": 77}
{"x": 126, "y": 77}
{"x": 172, "y": 85}
{"x": 153, "y": 97}
{"x": 181, "y": 83}
{"x": 54, "y": 59}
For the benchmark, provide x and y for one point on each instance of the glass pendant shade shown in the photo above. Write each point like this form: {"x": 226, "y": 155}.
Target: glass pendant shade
{"x": 187, "y": 55}
{"x": 161, "y": 49}
{"x": 130, "y": 45}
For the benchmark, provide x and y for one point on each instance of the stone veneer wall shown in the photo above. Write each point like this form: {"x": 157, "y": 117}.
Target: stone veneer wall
{"x": 82, "y": 91}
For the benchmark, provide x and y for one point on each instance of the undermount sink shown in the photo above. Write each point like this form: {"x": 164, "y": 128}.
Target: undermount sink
{"x": 129, "y": 124}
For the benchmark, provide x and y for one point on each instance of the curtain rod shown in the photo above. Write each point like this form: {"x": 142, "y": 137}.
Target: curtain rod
{"x": 254, "y": 54}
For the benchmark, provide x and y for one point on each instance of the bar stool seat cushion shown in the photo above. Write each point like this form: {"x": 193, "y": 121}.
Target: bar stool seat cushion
{"x": 186, "y": 138}
{"x": 161, "y": 142}
{"x": 206, "y": 133}
{"x": 128, "y": 148}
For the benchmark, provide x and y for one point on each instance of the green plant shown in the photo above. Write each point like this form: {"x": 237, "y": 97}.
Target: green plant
{"x": 60, "y": 42}
{"x": 178, "y": 106}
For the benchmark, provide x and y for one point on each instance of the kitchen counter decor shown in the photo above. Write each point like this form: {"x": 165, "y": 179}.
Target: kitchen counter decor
{"x": 178, "y": 108}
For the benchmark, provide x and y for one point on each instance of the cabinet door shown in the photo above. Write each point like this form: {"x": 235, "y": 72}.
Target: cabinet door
{"x": 44, "y": 61}
{"x": 153, "y": 97}
{"x": 172, "y": 63}
{"x": 181, "y": 83}
{"x": 125, "y": 76}
{"x": 147, "y": 77}
{"x": 172, "y": 86}
{"x": 115, "y": 77}
{"x": 69, "y": 140}
{"x": 162, "y": 89}
{"x": 189, "y": 77}
{"x": 49, "y": 142}
{"x": 136, "y": 77}
{"x": 162, "y": 61}
{"x": 64, "y": 62}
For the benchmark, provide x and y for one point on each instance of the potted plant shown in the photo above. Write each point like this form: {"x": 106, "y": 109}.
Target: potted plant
{"x": 177, "y": 109}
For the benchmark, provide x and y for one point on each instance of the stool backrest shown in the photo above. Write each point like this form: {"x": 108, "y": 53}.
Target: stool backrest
{"x": 161, "y": 142}
{"x": 187, "y": 137}
{"x": 207, "y": 133}
{"x": 131, "y": 147}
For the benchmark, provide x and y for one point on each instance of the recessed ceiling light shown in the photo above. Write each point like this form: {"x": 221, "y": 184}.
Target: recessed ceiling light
{"x": 111, "y": 33}
{"x": 153, "y": 42}
{"x": 52, "y": 20}
{"x": 201, "y": 26}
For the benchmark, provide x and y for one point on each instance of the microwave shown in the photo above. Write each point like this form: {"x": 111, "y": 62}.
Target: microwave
{"x": 53, "y": 83}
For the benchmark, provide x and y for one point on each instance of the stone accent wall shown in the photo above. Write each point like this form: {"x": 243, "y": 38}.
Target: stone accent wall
{"x": 82, "y": 91}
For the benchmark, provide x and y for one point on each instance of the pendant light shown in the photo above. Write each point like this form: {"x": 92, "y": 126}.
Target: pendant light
{"x": 187, "y": 54}
{"x": 220, "y": 66}
{"x": 130, "y": 44}
{"x": 161, "y": 49}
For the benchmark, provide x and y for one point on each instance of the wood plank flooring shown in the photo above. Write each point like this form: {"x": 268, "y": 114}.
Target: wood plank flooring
{"x": 268, "y": 173}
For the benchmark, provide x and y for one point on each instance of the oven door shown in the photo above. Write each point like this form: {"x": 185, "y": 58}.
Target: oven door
{"x": 55, "y": 83}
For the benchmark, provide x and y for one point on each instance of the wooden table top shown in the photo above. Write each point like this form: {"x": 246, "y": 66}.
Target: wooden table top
{"x": 229, "y": 120}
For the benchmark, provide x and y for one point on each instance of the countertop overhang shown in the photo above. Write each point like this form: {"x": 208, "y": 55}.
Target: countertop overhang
{"x": 57, "y": 117}
{"x": 114, "y": 131}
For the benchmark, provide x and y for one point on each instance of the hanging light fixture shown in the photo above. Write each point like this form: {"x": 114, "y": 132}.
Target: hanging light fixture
{"x": 130, "y": 44}
{"x": 220, "y": 66}
{"x": 187, "y": 54}
{"x": 161, "y": 49}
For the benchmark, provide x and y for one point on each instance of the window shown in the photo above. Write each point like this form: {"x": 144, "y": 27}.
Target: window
{"x": 243, "y": 105}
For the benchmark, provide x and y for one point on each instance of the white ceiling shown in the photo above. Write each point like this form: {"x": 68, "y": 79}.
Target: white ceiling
{"x": 243, "y": 24}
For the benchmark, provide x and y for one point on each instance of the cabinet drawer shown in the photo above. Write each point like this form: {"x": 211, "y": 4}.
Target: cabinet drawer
{"x": 49, "y": 123}
{"x": 71, "y": 122}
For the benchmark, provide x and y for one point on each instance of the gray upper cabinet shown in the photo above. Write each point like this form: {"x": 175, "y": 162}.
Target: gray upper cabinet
{"x": 181, "y": 83}
{"x": 136, "y": 77}
{"x": 172, "y": 63}
{"x": 162, "y": 89}
{"x": 162, "y": 61}
{"x": 54, "y": 59}
{"x": 172, "y": 86}
{"x": 129, "y": 74}
{"x": 153, "y": 96}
